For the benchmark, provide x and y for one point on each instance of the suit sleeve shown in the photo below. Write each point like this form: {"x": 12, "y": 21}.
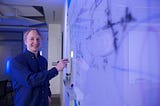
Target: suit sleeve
{"x": 49, "y": 91}
{"x": 22, "y": 74}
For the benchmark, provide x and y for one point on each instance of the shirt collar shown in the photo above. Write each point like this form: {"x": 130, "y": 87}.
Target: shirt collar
{"x": 31, "y": 54}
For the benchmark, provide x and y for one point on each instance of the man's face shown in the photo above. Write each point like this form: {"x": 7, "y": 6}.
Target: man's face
{"x": 33, "y": 41}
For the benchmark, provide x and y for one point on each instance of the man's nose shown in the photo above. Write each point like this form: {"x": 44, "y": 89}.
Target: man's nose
{"x": 36, "y": 41}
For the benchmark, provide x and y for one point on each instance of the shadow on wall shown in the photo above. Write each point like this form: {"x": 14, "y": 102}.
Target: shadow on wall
{"x": 6, "y": 93}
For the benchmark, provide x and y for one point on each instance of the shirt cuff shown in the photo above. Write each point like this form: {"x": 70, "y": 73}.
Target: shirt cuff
{"x": 52, "y": 73}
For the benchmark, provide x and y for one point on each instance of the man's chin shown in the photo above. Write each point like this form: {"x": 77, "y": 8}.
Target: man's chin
{"x": 35, "y": 50}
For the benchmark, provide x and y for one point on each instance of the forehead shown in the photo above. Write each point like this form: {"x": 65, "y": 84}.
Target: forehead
{"x": 33, "y": 33}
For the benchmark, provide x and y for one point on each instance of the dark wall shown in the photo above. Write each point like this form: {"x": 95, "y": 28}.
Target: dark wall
{"x": 11, "y": 44}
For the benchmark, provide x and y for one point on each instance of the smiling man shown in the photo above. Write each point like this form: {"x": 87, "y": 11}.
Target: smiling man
{"x": 30, "y": 76}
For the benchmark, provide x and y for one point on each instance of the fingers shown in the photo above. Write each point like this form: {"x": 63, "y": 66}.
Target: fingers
{"x": 65, "y": 59}
{"x": 62, "y": 64}
{"x": 65, "y": 62}
{"x": 49, "y": 100}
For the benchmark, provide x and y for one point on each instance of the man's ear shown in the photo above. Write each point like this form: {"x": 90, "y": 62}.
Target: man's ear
{"x": 25, "y": 42}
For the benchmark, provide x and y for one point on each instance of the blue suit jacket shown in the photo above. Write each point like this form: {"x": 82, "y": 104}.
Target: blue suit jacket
{"x": 31, "y": 79}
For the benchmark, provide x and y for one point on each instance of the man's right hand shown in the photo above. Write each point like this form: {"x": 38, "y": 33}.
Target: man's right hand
{"x": 61, "y": 64}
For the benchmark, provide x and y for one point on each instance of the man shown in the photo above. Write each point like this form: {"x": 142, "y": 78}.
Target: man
{"x": 29, "y": 73}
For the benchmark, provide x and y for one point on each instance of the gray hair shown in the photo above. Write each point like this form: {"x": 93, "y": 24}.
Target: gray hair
{"x": 28, "y": 31}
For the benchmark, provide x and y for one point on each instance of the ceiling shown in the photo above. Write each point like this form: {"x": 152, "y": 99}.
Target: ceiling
{"x": 31, "y": 13}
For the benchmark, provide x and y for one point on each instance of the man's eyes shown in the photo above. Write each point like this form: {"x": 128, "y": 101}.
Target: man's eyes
{"x": 37, "y": 39}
